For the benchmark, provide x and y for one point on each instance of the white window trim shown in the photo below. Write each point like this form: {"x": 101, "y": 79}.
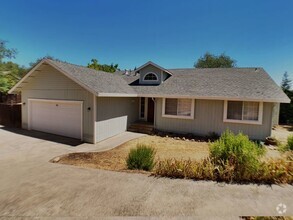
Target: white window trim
{"x": 260, "y": 115}
{"x": 178, "y": 116}
{"x": 151, "y": 80}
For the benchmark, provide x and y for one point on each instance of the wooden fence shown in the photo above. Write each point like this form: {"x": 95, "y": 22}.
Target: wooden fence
{"x": 10, "y": 115}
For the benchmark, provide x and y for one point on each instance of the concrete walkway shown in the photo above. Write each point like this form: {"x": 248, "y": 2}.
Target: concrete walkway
{"x": 30, "y": 186}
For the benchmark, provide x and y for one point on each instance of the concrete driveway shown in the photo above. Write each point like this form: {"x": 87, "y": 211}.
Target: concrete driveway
{"x": 30, "y": 186}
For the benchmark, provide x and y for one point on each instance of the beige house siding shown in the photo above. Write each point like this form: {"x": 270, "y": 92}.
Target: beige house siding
{"x": 209, "y": 118}
{"x": 147, "y": 70}
{"x": 114, "y": 115}
{"x": 49, "y": 83}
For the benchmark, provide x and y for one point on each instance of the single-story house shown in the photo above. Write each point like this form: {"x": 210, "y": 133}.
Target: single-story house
{"x": 90, "y": 105}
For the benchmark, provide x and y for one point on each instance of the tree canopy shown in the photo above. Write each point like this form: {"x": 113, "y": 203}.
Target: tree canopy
{"x": 286, "y": 82}
{"x": 286, "y": 109}
{"x": 6, "y": 52}
{"x": 103, "y": 67}
{"x": 213, "y": 61}
{"x": 10, "y": 72}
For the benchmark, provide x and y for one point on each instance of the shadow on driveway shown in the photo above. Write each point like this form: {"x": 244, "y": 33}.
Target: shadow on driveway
{"x": 44, "y": 136}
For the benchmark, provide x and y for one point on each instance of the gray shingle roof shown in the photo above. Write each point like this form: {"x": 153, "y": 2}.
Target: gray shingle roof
{"x": 213, "y": 83}
{"x": 96, "y": 81}
{"x": 231, "y": 83}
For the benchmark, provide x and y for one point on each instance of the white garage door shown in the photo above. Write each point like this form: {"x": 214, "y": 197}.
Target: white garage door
{"x": 56, "y": 117}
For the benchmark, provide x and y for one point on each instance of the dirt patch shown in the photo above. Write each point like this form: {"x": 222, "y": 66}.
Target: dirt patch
{"x": 166, "y": 147}
{"x": 281, "y": 132}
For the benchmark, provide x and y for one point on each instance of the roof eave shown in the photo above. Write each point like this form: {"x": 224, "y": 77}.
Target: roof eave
{"x": 14, "y": 88}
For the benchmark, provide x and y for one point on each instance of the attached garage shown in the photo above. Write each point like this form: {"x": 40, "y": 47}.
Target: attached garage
{"x": 59, "y": 117}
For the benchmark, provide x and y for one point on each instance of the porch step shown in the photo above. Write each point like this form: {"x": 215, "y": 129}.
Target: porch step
{"x": 144, "y": 128}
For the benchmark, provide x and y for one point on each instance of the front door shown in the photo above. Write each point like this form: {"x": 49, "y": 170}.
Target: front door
{"x": 151, "y": 110}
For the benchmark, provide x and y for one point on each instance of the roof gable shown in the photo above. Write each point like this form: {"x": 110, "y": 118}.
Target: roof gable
{"x": 155, "y": 65}
{"x": 97, "y": 82}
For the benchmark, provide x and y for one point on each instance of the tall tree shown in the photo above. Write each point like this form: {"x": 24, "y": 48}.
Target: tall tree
{"x": 103, "y": 67}
{"x": 286, "y": 82}
{"x": 213, "y": 61}
{"x": 6, "y": 52}
{"x": 286, "y": 109}
{"x": 10, "y": 72}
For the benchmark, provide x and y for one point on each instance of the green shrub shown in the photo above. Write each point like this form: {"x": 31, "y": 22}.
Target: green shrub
{"x": 290, "y": 142}
{"x": 142, "y": 158}
{"x": 236, "y": 150}
{"x": 233, "y": 158}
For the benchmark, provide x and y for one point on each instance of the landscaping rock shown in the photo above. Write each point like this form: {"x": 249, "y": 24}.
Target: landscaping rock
{"x": 56, "y": 159}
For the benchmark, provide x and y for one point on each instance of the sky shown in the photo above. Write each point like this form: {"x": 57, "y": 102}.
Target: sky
{"x": 173, "y": 34}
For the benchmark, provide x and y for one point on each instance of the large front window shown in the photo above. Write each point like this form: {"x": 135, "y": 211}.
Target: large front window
{"x": 178, "y": 108}
{"x": 240, "y": 111}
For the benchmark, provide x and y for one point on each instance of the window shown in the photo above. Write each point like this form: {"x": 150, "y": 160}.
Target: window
{"x": 178, "y": 108}
{"x": 151, "y": 77}
{"x": 245, "y": 112}
{"x": 142, "y": 107}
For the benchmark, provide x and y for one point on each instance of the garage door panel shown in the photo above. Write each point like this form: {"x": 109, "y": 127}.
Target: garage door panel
{"x": 62, "y": 118}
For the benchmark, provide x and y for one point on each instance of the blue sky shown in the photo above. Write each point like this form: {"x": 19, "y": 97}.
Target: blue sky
{"x": 173, "y": 34}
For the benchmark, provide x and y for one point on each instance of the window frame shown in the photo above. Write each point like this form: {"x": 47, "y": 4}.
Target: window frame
{"x": 260, "y": 114}
{"x": 178, "y": 116}
{"x": 157, "y": 80}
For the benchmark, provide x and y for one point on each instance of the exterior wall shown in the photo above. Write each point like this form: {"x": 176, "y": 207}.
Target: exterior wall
{"x": 114, "y": 115}
{"x": 209, "y": 118}
{"x": 147, "y": 70}
{"x": 51, "y": 84}
{"x": 276, "y": 113}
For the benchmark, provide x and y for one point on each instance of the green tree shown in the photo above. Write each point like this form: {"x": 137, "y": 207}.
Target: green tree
{"x": 213, "y": 61}
{"x": 286, "y": 109}
{"x": 5, "y": 52}
{"x": 10, "y": 72}
{"x": 102, "y": 67}
{"x": 286, "y": 82}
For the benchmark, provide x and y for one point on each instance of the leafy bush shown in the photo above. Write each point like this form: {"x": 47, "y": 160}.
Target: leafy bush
{"x": 236, "y": 150}
{"x": 290, "y": 142}
{"x": 270, "y": 172}
{"x": 141, "y": 158}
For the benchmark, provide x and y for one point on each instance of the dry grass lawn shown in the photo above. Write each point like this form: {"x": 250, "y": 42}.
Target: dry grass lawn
{"x": 166, "y": 147}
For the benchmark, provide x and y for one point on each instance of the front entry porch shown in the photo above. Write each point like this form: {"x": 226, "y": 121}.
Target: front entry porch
{"x": 145, "y": 124}
{"x": 142, "y": 127}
